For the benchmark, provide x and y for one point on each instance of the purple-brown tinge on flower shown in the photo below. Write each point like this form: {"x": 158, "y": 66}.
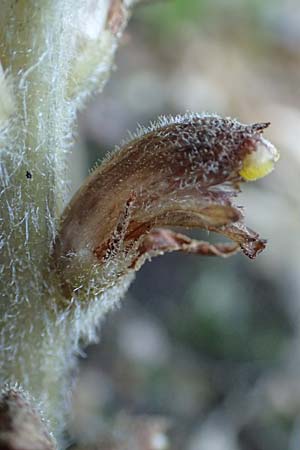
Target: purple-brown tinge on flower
{"x": 182, "y": 172}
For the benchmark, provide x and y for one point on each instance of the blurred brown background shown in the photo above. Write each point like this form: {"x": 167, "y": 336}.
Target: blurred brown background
{"x": 204, "y": 353}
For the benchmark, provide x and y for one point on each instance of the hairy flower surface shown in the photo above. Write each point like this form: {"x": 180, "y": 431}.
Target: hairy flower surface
{"x": 180, "y": 172}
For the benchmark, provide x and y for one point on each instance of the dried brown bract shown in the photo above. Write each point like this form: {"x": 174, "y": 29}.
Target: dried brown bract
{"x": 117, "y": 17}
{"x": 180, "y": 172}
{"x": 21, "y": 427}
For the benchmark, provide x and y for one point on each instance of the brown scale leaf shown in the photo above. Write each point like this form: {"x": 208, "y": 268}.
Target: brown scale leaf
{"x": 21, "y": 426}
{"x": 182, "y": 172}
{"x": 117, "y": 17}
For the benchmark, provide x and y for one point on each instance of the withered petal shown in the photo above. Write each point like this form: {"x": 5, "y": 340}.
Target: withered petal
{"x": 249, "y": 241}
{"x": 160, "y": 241}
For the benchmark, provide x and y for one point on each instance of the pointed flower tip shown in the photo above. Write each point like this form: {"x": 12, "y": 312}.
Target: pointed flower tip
{"x": 183, "y": 171}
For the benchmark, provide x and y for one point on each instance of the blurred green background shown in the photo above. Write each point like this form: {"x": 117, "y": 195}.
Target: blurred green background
{"x": 204, "y": 353}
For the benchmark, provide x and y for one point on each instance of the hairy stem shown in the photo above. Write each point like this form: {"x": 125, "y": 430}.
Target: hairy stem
{"x": 53, "y": 54}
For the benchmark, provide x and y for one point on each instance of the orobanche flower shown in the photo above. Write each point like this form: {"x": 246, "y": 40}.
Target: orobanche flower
{"x": 182, "y": 171}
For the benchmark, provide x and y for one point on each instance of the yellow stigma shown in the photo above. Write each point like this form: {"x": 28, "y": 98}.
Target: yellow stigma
{"x": 260, "y": 162}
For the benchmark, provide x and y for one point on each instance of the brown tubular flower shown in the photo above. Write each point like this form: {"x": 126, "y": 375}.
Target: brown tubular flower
{"x": 181, "y": 172}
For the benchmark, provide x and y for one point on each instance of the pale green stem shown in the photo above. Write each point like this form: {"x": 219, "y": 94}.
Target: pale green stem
{"x": 54, "y": 53}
